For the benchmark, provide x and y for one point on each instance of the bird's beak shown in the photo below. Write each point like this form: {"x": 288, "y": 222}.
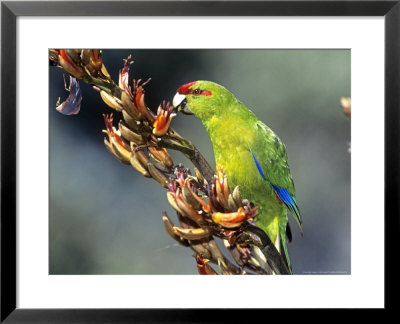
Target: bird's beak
{"x": 180, "y": 104}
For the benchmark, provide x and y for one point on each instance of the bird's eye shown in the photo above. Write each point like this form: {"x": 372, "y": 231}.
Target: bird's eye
{"x": 196, "y": 91}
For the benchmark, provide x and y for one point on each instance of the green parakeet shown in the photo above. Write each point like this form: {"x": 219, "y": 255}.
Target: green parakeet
{"x": 249, "y": 152}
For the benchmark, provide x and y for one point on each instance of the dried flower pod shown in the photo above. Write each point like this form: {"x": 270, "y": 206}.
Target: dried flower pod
{"x": 229, "y": 220}
{"x": 74, "y": 55}
{"x": 219, "y": 195}
{"x": 130, "y": 121}
{"x": 123, "y": 80}
{"x": 176, "y": 201}
{"x": 192, "y": 233}
{"x": 110, "y": 148}
{"x": 237, "y": 256}
{"x": 111, "y": 101}
{"x": 120, "y": 150}
{"x": 236, "y": 196}
{"x": 200, "y": 246}
{"x": 105, "y": 72}
{"x": 200, "y": 178}
{"x": 221, "y": 189}
{"x": 207, "y": 208}
{"x": 142, "y": 156}
{"x": 186, "y": 222}
{"x": 188, "y": 210}
{"x": 129, "y": 106}
{"x": 161, "y": 154}
{"x": 85, "y": 56}
{"x": 96, "y": 62}
{"x": 203, "y": 267}
{"x": 53, "y": 56}
{"x": 171, "y": 196}
{"x": 135, "y": 162}
{"x": 159, "y": 165}
{"x": 232, "y": 203}
{"x": 216, "y": 206}
{"x": 141, "y": 105}
{"x": 225, "y": 187}
{"x": 169, "y": 227}
{"x": 69, "y": 65}
{"x": 108, "y": 143}
{"x": 234, "y": 219}
{"x": 189, "y": 198}
{"x": 129, "y": 135}
{"x": 157, "y": 175}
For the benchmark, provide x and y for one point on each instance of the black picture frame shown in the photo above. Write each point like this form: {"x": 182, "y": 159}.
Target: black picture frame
{"x": 11, "y": 10}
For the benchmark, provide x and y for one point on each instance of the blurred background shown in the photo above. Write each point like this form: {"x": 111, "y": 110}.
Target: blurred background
{"x": 106, "y": 219}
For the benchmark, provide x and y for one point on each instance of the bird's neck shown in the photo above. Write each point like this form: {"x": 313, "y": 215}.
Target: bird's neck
{"x": 234, "y": 117}
{"x": 232, "y": 132}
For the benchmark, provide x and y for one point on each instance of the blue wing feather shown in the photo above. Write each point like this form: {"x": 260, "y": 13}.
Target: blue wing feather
{"x": 258, "y": 165}
{"x": 288, "y": 200}
{"x": 282, "y": 193}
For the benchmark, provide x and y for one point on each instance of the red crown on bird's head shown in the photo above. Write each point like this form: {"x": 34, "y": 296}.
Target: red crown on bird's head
{"x": 185, "y": 89}
{"x": 189, "y": 88}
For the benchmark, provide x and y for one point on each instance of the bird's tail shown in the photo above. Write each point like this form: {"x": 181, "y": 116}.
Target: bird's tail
{"x": 284, "y": 231}
{"x": 283, "y": 249}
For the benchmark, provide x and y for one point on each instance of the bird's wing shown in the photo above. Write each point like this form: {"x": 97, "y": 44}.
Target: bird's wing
{"x": 270, "y": 157}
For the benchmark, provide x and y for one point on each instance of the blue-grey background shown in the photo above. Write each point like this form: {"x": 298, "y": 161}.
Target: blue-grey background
{"x": 106, "y": 219}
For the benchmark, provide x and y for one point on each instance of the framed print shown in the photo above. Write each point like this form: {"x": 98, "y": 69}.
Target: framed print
{"x": 83, "y": 235}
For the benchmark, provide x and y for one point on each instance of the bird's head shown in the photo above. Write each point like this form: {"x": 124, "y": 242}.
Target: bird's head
{"x": 202, "y": 98}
